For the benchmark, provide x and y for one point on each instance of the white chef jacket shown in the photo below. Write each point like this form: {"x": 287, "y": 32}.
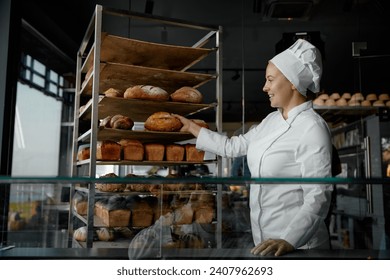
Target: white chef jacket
{"x": 298, "y": 147}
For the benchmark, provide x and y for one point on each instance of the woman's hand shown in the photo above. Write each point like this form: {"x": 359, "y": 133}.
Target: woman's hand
{"x": 279, "y": 246}
{"x": 188, "y": 125}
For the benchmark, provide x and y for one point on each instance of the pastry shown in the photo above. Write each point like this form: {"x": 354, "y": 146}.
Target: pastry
{"x": 187, "y": 95}
{"x": 108, "y": 150}
{"x": 146, "y": 92}
{"x": 163, "y": 121}
{"x": 154, "y": 151}
{"x": 132, "y": 149}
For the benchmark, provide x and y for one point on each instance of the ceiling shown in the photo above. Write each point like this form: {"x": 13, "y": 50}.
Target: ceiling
{"x": 249, "y": 37}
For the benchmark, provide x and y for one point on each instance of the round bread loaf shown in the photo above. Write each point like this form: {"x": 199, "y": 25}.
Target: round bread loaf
{"x": 146, "y": 92}
{"x": 366, "y": 103}
{"x": 371, "y": 97}
{"x": 353, "y": 102}
{"x": 384, "y": 97}
{"x": 112, "y": 92}
{"x": 330, "y": 102}
{"x": 378, "y": 103}
{"x": 163, "y": 121}
{"x": 187, "y": 95}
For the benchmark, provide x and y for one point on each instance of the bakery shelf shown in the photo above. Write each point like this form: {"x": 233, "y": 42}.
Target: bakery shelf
{"x": 337, "y": 114}
{"x": 142, "y": 109}
{"x": 122, "y": 76}
{"x": 144, "y": 136}
{"x": 145, "y": 162}
{"x": 147, "y": 54}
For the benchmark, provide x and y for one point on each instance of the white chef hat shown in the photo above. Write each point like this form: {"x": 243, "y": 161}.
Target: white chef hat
{"x": 301, "y": 65}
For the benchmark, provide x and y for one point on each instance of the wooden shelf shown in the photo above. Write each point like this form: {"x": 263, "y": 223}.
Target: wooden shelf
{"x": 139, "y": 110}
{"x": 147, "y": 54}
{"x": 122, "y": 76}
{"x": 159, "y": 163}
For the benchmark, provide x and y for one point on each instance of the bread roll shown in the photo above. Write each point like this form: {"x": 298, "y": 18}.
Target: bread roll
{"x": 371, "y": 97}
{"x": 154, "y": 151}
{"x": 378, "y": 103}
{"x": 330, "y": 102}
{"x": 112, "y": 92}
{"x": 187, "y": 95}
{"x": 193, "y": 154}
{"x": 341, "y": 102}
{"x": 353, "y": 102}
{"x": 388, "y": 105}
{"x": 132, "y": 149}
{"x": 117, "y": 122}
{"x": 105, "y": 234}
{"x": 163, "y": 121}
{"x": 384, "y": 97}
{"x": 319, "y": 102}
{"x": 357, "y": 97}
{"x": 108, "y": 150}
{"x": 80, "y": 234}
{"x": 323, "y": 96}
{"x": 174, "y": 152}
{"x": 366, "y": 103}
{"x": 146, "y": 92}
{"x": 335, "y": 96}
{"x": 346, "y": 95}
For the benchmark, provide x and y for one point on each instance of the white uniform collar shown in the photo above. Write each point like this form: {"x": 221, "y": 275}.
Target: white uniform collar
{"x": 297, "y": 110}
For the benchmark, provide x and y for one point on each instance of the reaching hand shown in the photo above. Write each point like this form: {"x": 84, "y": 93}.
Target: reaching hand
{"x": 188, "y": 125}
{"x": 279, "y": 246}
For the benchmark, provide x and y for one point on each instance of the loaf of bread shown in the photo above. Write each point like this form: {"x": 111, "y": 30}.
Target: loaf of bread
{"x": 135, "y": 187}
{"x": 187, "y": 95}
{"x": 330, "y": 102}
{"x": 113, "y": 212}
{"x": 358, "y": 96}
{"x": 163, "y": 121}
{"x": 174, "y": 152}
{"x": 117, "y": 122}
{"x": 80, "y": 203}
{"x": 384, "y": 97}
{"x": 354, "y": 102}
{"x": 193, "y": 154}
{"x": 108, "y": 150}
{"x": 319, "y": 102}
{"x": 146, "y": 92}
{"x": 366, "y": 103}
{"x": 323, "y": 96}
{"x": 371, "y": 97}
{"x": 154, "y": 151}
{"x": 105, "y": 234}
{"x": 110, "y": 187}
{"x": 132, "y": 149}
{"x": 83, "y": 152}
{"x": 141, "y": 213}
{"x": 112, "y": 92}
{"x": 80, "y": 234}
{"x": 378, "y": 103}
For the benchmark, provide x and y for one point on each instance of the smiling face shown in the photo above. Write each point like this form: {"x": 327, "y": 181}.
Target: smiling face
{"x": 282, "y": 93}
